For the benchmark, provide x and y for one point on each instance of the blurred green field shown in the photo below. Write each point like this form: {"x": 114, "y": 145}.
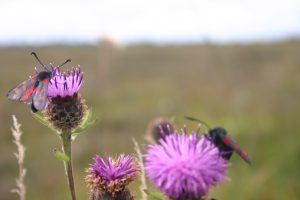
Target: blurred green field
{"x": 252, "y": 90}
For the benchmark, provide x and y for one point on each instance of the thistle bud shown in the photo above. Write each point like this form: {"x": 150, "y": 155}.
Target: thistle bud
{"x": 159, "y": 128}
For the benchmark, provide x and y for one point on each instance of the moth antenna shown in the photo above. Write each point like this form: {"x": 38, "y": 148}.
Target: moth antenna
{"x": 69, "y": 60}
{"x": 36, "y": 57}
{"x": 197, "y": 120}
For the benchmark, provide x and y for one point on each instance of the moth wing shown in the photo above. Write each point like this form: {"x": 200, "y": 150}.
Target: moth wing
{"x": 23, "y": 91}
{"x": 40, "y": 96}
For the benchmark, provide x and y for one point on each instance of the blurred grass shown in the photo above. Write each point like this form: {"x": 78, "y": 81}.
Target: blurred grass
{"x": 252, "y": 90}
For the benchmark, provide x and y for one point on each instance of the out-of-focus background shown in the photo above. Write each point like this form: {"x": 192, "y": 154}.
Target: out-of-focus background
{"x": 230, "y": 63}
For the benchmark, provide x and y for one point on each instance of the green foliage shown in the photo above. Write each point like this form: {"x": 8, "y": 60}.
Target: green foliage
{"x": 43, "y": 121}
{"x": 60, "y": 155}
{"x": 86, "y": 122}
{"x": 155, "y": 195}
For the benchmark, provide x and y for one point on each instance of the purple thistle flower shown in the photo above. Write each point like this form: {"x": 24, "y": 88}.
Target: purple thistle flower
{"x": 65, "y": 83}
{"x": 66, "y": 108}
{"x": 184, "y": 166}
{"x": 112, "y": 175}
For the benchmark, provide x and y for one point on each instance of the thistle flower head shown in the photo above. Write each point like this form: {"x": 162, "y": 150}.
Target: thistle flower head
{"x": 66, "y": 108}
{"x": 65, "y": 83}
{"x": 111, "y": 175}
{"x": 159, "y": 128}
{"x": 185, "y": 167}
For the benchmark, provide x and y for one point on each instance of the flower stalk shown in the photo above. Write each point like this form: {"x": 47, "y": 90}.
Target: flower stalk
{"x": 67, "y": 136}
{"x": 67, "y": 149}
{"x": 67, "y": 114}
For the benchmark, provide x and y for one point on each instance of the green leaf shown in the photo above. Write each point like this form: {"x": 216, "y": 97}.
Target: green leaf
{"x": 155, "y": 195}
{"x": 60, "y": 155}
{"x": 86, "y": 122}
{"x": 43, "y": 121}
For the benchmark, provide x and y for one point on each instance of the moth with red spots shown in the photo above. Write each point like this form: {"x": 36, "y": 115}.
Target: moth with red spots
{"x": 224, "y": 142}
{"x": 36, "y": 87}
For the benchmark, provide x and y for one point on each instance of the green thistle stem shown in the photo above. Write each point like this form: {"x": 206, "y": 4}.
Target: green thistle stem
{"x": 67, "y": 149}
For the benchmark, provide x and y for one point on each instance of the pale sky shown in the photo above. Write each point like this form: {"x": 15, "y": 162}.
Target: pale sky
{"x": 161, "y": 21}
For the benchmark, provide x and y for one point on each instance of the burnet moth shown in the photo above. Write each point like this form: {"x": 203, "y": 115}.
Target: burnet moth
{"x": 223, "y": 141}
{"x": 36, "y": 87}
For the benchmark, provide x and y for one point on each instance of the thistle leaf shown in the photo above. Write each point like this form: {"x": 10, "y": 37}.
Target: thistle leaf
{"x": 60, "y": 155}
{"x": 155, "y": 195}
{"x": 43, "y": 121}
{"x": 40, "y": 119}
{"x": 86, "y": 122}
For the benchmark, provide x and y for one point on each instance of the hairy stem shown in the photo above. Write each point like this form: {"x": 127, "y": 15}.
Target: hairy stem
{"x": 67, "y": 149}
